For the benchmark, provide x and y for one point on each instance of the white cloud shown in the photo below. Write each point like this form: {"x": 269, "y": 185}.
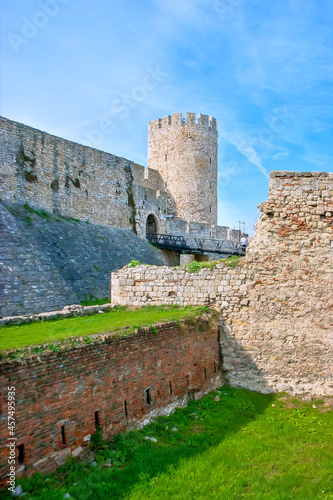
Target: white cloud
{"x": 280, "y": 155}
{"x": 244, "y": 145}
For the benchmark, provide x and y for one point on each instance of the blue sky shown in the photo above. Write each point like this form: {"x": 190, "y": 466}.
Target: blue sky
{"x": 96, "y": 72}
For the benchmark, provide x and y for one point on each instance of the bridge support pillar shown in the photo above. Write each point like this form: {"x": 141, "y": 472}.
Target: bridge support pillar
{"x": 186, "y": 258}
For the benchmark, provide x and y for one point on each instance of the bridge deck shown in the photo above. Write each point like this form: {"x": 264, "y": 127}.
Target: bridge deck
{"x": 193, "y": 244}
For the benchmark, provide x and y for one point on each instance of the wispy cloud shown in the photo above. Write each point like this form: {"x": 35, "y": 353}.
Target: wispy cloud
{"x": 280, "y": 155}
{"x": 245, "y": 147}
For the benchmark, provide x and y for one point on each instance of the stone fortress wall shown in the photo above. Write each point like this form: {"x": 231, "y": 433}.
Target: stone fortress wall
{"x": 185, "y": 153}
{"x": 48, "y": 262}
{"x": 57, "y": 259}
{"x": 276, "y": 305}
{"x": 62, "y": 177}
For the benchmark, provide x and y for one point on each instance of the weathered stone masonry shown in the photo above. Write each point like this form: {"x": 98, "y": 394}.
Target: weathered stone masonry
{"x": 63, "y": 177}
{"x": 116, "y": 382}
{"x": 59, "y": 178}
{"x": 49, "y": 262}
{"x": 185, "y": 154}
{"x": 276, "y": 306}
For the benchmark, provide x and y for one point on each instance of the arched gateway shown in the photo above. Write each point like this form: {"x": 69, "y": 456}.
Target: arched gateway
{"x": 151, "y": 224}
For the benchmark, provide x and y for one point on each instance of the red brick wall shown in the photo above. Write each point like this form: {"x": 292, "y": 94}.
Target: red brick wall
{"x": 59, "y": 394}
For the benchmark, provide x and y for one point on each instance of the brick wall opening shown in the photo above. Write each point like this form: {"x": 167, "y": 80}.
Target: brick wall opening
{"x": 63, "y": 434}
{"x": 97, "y": 419}
{"x": 21, "y": 454}
{"x": 148, "y": 396}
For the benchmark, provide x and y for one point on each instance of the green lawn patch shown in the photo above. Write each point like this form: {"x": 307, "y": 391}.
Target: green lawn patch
{"x": 195, "y": 266}
{"x": 94, "y": 301}
{"x": 229, "y": 445}
{"x": 119, "y": 318}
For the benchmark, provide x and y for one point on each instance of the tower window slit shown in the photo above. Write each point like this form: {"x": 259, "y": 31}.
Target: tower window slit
{"x": 170, "y": 387}
{"x": 205, "y": 372}
{"x": 125, "y": 409}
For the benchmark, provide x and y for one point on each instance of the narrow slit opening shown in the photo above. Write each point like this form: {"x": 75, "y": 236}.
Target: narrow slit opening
{"x": 205, "y": 372}
{"x": 148, "y": 396}
{"x": 125, "y": 408}
{"x": 97, "y": 419}
{"x": 170, "y": 387}
{"x": 20, "y": 454}
{"x": 63, "y": 434}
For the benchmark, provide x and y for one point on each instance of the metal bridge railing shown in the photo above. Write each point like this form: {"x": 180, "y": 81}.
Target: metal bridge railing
{"x": 188, "y": 244}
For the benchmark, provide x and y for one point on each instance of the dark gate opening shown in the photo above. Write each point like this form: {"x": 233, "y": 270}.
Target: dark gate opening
{"x": 151, "y": 225}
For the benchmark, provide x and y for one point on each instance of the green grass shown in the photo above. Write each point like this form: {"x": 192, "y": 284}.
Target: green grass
{"x": 245, "y": 445}
{"x": 232, "y": 261}
{"x": 195, "y": 266}
{"x": 119, "y": 318}
{"x": 41, "y": 213}
{"x": 94, "y": 301}
{"x": 45, "y": 215}
{"x": 134, "y": 263}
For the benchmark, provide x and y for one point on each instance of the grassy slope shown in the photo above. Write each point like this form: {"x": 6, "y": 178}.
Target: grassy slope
{"x": 49, "y": 331}
{"x": 246, "y": 445}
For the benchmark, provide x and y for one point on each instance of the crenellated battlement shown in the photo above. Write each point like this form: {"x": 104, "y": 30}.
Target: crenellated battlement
{"x": 189, "y": 120}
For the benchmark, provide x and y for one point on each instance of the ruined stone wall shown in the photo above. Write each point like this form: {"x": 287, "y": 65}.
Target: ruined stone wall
{"x": 222, "y": 286}
{"x": 276, "y": 305}
{"x": 287, "y": 327}
{"x": 185, "y": 154}
{"x": 115, "y": 383}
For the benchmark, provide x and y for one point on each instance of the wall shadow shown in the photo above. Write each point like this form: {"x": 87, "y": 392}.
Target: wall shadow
{"x": 202, "y": 425}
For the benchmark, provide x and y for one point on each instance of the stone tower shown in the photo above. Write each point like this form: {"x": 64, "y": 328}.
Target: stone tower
{"x": 185, "y": 154}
